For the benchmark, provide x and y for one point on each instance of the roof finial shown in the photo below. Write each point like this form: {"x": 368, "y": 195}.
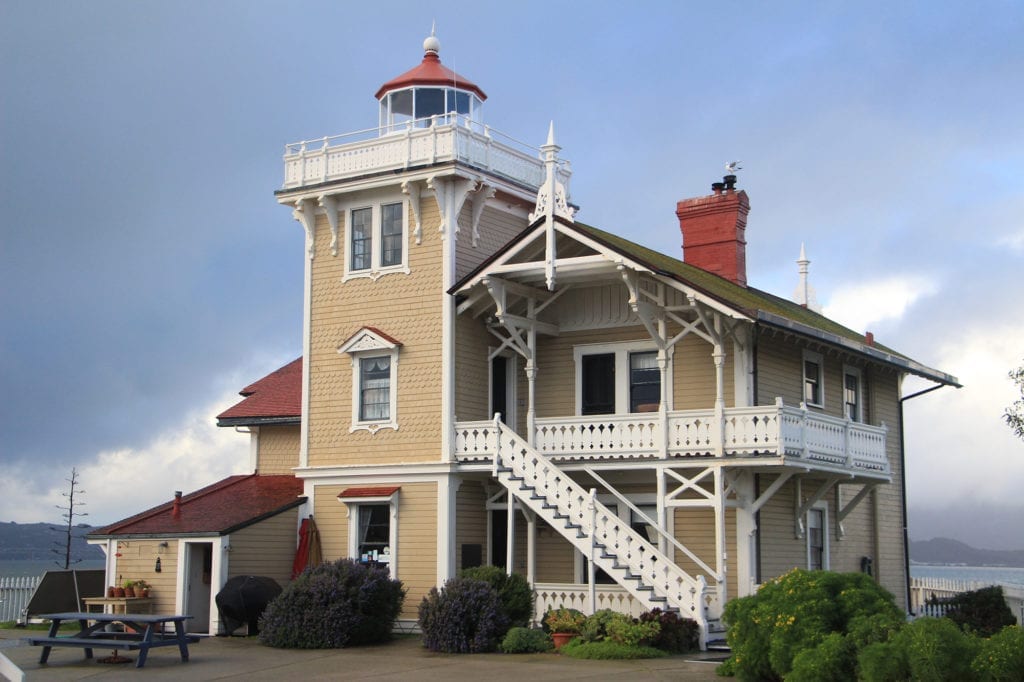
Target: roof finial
{"x": 805, "y": 294}
{"x": 432, "y": 45}
{"x": 551, "y": 134}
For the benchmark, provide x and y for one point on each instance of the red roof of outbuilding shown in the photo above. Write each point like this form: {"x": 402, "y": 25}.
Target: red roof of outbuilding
{"x": 221, "y": 508}
{"x": 275, "y": 397}
{"x": 430, "y": 72}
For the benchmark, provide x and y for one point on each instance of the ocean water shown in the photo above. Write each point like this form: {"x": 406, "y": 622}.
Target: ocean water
{"x": 995, "y": 575}
{"x": 19, "y": 567}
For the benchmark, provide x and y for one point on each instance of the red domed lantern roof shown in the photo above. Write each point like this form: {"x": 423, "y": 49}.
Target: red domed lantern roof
{"x": 430, "y": 72}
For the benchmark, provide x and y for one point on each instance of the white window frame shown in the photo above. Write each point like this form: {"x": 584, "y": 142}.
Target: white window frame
{"x": 849, "y": 370}
{"x": 621, "y": 351}
{"x": 376, "y": 270}
{"x": 353, "y": 504}
{"x": 822, "y": 508}
{"x": 367, "y": 344}
{"x": 817, "y": 358}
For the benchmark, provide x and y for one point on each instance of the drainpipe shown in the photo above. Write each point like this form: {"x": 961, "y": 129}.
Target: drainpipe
{"x": 903, "y": 487}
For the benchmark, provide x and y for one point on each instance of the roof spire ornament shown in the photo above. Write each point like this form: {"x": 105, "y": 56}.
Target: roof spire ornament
{"x": 551, "y": 203}
{"x": 804, "y": 294}
{"x": 432, "y": 45}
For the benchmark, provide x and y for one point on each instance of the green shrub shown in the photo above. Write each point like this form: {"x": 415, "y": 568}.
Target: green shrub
{"x": 932, "y": 649}
{"x": 983, "y": 612}
{"x": 797, "y": 612}
{"x": 608, "y": 650}
{"x": 677, "y": 636}
{"x": 464, "y": 616}
{"x": 514, "y": 591}
{"x": 333, "y": 605}
{"x": 1000, "y": 658}
{"x": 595, "y": 627}
{"x": 833, "y": 660}
{"x": 627, "y": 631}
{"x": 526, "y": 641}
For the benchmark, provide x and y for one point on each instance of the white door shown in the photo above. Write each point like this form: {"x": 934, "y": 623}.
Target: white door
{"x": 198, "y": 575}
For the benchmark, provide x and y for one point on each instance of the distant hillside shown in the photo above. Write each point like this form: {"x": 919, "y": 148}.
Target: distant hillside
{"x": 36, "y": 542}
{"x": 946, "y": 551}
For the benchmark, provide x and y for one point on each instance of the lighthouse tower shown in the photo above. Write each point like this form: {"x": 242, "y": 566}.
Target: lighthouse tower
{"x": 393, "y": 216}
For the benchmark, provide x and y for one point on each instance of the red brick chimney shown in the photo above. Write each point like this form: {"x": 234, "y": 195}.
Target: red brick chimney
{"x": 714, "y": 231}
{"x": 176, "y": 509}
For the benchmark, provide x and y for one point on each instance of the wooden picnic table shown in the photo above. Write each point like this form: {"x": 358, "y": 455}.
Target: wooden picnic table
{"x": 143, "y": 631}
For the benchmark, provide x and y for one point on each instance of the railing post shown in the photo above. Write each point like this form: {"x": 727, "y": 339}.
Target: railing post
{"x": 846, "y": 442}
{"x": 592, "y": 508}
{"x": 805, "y": 449}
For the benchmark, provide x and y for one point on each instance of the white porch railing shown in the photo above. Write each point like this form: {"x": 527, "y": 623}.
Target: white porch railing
{"x": 778, "y": 430}
{"x": 427, "y": 141}
{"x": 577, "y": 596}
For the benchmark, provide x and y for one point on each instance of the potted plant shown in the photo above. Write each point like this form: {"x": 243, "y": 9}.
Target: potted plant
{"x": 564, "y": 624}
{"x": 118, "y": 592}
{"x": 141, "y": 588}
{"x": 129, "y": 588}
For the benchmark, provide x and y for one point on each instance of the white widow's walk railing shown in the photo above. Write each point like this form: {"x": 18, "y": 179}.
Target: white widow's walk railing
{"x": 773, "y": 430}
{"x": 438, "y": 139}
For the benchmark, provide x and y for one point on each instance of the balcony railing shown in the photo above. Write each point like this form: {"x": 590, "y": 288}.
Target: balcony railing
{"x": 423, "y": 142}
{"x": 777, "y": 430}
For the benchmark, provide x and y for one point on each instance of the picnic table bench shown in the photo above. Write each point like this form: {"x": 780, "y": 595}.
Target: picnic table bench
{"x": 143, "y": 631}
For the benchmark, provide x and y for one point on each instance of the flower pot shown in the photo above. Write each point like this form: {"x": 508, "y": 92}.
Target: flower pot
{"x": 118, "y": 592}
{"x": 110, "y": 592}
{"x": 562, "y": 638}
{"x": 144, "y": 592}
{"x": 129, "y": 592}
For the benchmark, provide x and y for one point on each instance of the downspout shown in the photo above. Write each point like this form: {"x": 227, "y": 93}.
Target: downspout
{"x": 903, "y": 488}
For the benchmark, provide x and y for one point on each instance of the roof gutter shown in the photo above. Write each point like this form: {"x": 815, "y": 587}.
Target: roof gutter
{"x": 872, "y": 352}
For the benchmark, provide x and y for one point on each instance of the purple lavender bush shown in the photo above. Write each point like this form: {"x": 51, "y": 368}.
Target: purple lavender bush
{"x": 464, "y": 616}
{"x": 334, "y": 605}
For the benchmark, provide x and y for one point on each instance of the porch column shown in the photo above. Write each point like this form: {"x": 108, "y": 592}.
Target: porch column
{"x": 510, "y": 529}
{"x": 663, "y": 404}
{"x": 531, "y": 413}
{"x": 662, "y": 515}
{"x": 721, "y": 556}
{"x": 718, "y": 355}
{"x": 531, "y": 546}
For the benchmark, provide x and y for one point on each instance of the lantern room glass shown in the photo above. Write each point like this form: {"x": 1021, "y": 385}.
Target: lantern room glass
{"x": 420, "y": 104}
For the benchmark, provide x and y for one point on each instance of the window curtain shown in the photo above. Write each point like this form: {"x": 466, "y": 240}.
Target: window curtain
{"x": 376, "y": 389}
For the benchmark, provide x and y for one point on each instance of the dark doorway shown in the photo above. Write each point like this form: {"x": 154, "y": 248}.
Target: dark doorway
{"x": 499, "y": 387}
{"x": 499, "y": 538}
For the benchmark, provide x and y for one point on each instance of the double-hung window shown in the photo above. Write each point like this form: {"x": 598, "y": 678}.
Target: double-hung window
{"x": 814, "y": 384}
{"x": 617, "y": 378}
{"x": 817, "y": 539}
{"x": 376, "y": 239}
{"x": 374, "y": 357}
{"x": 373, "y": 524}
{"x": 853, "y": 408}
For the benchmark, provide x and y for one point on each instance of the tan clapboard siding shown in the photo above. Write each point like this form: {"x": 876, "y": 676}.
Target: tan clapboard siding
{"x": 408, "y": 308}
{"x": 890, "y": 564}
{"x": 278, "y": 449}
{"x": 331, "y": 520}
{"x": 471, "y": 519}
{"x": 472, "y": 369}
{"x": 779, "y": 370}
{"x": 695, "y": 529}
{"x": 266, "y": 548}
{"x": 417, "y": 543}
{"x": 138, "y": 561}
{"x": 780, "y": 550}
{"x": 496, "y": 229}
{"x": 693, "y": 376}
{"x": 555, "y": 556}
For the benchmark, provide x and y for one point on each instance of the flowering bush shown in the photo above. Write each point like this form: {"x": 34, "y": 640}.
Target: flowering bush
{"x": 464, "y": 616}
{"x": 797, "y": 612}
{"x": 334, "y": 605}
{"x": 1001, "y": 656}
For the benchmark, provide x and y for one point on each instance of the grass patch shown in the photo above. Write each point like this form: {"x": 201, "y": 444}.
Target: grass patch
{"x": 13, "y": 625}
{"x": 607, "y": 650}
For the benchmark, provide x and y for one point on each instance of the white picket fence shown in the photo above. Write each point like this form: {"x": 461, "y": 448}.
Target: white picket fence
{"x": 15, "y": 592}
{"x": 923, "y": 589}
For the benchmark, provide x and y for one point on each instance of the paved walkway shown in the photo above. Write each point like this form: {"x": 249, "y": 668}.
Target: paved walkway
{"x": 225, "y": 658}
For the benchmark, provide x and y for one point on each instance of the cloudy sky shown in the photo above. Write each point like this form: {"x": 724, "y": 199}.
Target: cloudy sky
{"x": 147, "y": 273}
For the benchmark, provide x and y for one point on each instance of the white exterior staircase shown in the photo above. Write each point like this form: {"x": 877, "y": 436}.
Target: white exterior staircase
{"x": 633, "y": 562}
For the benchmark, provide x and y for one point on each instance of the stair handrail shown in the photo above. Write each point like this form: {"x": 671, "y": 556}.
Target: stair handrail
{"x": 572, "y": 500}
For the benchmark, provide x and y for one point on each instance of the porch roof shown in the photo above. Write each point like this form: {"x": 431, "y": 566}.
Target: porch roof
{"x": 274, "y": 399}
{"x": 756, "y": 305}
{"x": 218, "y": 509}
